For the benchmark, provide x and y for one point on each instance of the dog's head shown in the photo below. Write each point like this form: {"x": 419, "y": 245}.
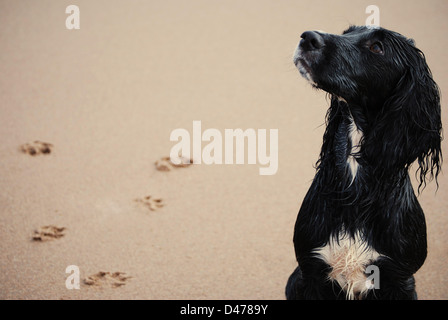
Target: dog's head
{"x": 361, "y": 63}
{"x": 385, "y": 81}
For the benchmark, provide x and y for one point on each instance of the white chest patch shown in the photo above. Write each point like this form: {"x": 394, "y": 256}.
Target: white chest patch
{"x": 348, "y": 258}
{"x": 355, "y": 136}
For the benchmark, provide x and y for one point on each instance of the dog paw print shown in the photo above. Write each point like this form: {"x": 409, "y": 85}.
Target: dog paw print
{"x": 107, "y": 279}
{"x": 47, "y": 233}
{"x": 150, "y": 202}
{"x": 165, "y": 164}
{"x": 37, "y": 147}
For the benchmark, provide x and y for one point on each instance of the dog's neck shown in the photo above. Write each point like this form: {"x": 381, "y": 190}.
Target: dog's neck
{"x": 347, "y": 128}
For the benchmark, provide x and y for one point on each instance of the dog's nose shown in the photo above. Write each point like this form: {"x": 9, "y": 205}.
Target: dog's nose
{"x": 311, "y": 40}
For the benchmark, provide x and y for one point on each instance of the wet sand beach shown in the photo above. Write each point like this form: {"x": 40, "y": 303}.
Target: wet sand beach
{"x": 85, "y": 123}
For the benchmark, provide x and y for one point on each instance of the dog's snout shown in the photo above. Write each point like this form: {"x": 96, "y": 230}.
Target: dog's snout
{"x": 311, "y": 40}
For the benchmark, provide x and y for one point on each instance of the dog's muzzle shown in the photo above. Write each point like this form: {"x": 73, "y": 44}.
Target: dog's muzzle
{"x": 308, "y": 52}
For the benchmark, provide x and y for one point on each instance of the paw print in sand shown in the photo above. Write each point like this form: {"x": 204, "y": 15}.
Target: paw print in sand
{"x": 36, "y": 148}
{"x": 102, "y": 279}
{"x": 165, "y": 164}
{"x": 150, "y": 202}
{"x": 47, "y": 233}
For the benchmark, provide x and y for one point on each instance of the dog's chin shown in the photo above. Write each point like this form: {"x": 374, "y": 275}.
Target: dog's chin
{"x": 306, "y": 71}
{"x": 302, "y": 64}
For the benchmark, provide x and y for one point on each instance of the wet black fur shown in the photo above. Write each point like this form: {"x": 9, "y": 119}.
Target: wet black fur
{"x": 395, "y": 103}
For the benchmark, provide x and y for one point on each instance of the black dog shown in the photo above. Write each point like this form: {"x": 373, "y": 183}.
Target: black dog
{"x": 361, "y": 215}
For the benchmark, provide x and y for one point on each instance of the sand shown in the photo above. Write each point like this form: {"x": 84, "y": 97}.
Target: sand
{"x": 102, "y": 101}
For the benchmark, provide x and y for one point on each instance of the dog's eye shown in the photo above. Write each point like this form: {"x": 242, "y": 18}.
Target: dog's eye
{"x": 376, "y": 47}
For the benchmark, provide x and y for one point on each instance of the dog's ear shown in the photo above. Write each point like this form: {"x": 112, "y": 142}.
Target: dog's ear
{"x": 409, "y": 127}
